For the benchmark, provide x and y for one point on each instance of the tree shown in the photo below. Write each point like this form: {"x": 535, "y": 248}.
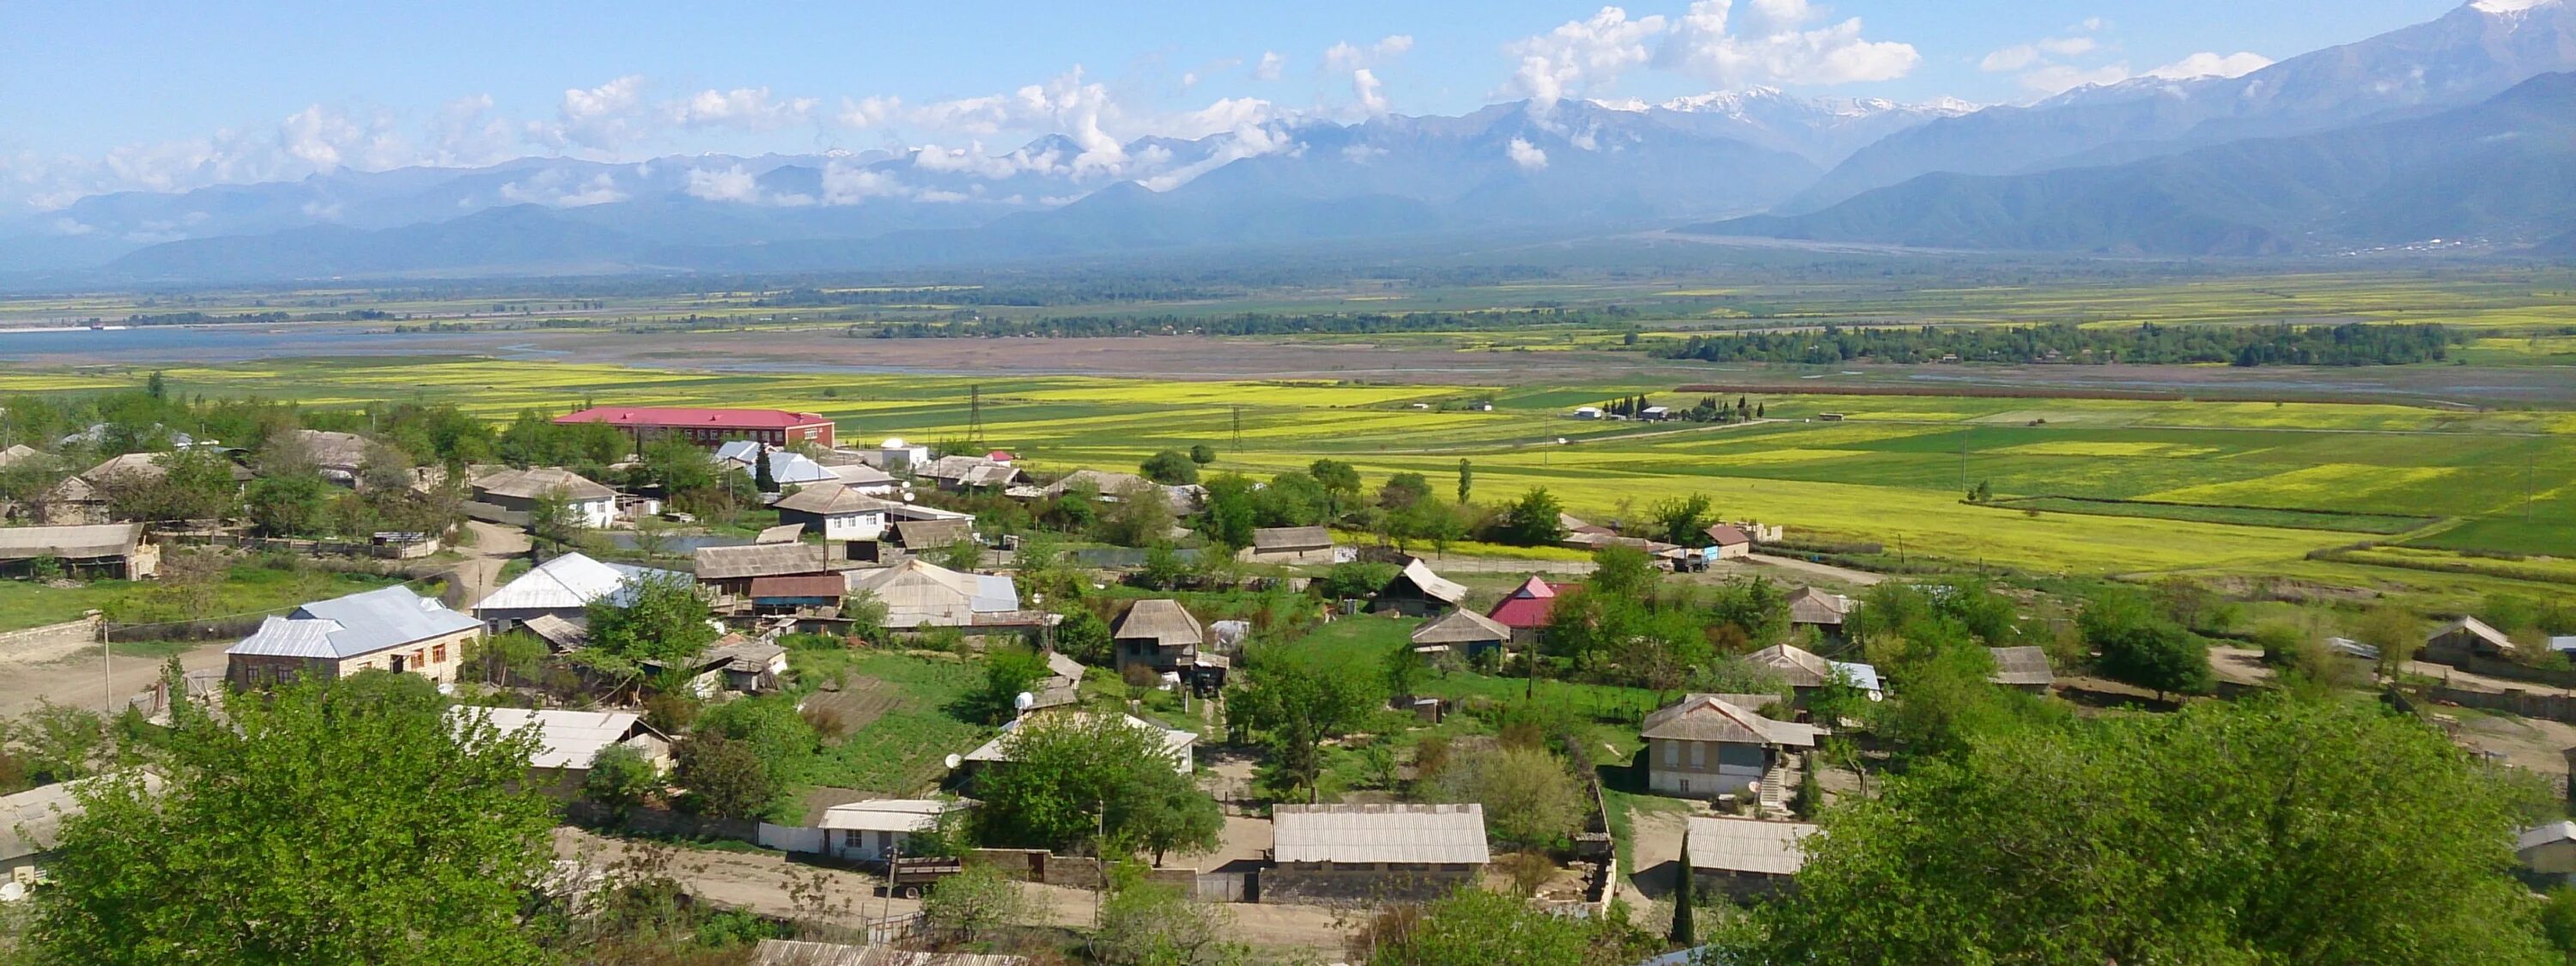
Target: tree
{"x": 1466, "y": 481}
{"x": 962, "y": 555}
{"x": 415, "y": 837}
{"x": 2140, "y": 647}
{"x": 290, "y": 504}
{"x": 1473, "y": 927}
{"x": 1354, "y": 579}
{"x": 763, "y": 477}
{"x": 2395, "y": 631}
{"x": 2241, "y": 832}
{"x": 1534, "y": 520}
{"x": 1071, "y": 781}
{"x": 1341, "y": 483}
{"x": 619, "y": 779}
{"x": 975, "y": 902}
{"x": 1295, "y": 701}
{"x": 1163, "y": 569}
{"x": 156, "y": 386}
{"x": 1083, "y": 636}
{"x": 1681, "y": 520}
{"x": 1402, "y": 491}
{"x": 1007, "y": 673}
{"x": 1233, "y": 511}
{"x": 724, "y": 777}
{"x": 1531, "y": 800}
{"x": 1166, "y": 813}
{"x": 1151, "y": 924}
{"x": 1141, "y": 517}
{"x": 1202, "y": 454}
{"x": 659, "y": 619}
{"x": 553, "y": 520}
{"x": 1685, "y": 930}
{"x": 1170, "y": 467}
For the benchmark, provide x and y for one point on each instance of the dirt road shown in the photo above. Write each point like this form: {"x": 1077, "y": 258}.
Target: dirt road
{"x": 1859, "y": 578}
{"x": 756, "y": 881}
{"x": 75, "y": 680}
{"x": 494, "y": 547}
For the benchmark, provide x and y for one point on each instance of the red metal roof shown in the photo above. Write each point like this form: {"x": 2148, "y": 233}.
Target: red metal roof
{"x": 719, "y": 418}
{"x": 1527, "y": 606}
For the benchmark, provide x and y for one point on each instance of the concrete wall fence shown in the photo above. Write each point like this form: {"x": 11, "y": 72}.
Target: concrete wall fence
{"x": 51, "y": 641}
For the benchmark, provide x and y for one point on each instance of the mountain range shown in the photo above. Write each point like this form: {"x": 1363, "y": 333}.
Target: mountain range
{"x": 2453, "y": 129}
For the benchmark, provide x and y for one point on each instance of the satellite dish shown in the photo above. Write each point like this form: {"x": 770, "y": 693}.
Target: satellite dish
{"x": 1025, "y": 701}
{"x": 12, "y": 891}
{"x": 1876, "y": 696}
{"x": 954, "y": 761}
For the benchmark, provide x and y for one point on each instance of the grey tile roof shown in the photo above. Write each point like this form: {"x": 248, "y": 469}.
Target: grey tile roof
{"x": 2021, "y": 666}
{"x": 770, "y": 560}
{"x": 1280, "y": 539}
{"x": 530, "y": 484}
{"x": 1379, "y": 833}
{"x": 1461, "y": 627}
{"x": 1746, "y": 845}
{"x": 1164, "y": 621}
{"x": 1708, "y": 717}
{"x": 346, "y": 627}
{"x": 833, "y": 499}
{"x": 75, "y": 543}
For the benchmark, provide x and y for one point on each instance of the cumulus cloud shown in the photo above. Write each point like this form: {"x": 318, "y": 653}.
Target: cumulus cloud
{"x": 557, "y": 188}
{"x": 1272, "y": 66}
{"x": 750, "y": 109}
{"x": 603, "y": 118}
{"x": 2059, "y": 78}
{"x": 1528, "y": 156}
{"x": 1368, "y": 91}
{"x": 849, "y": 184}
{"x": 2212, "y": 64}
{"x": 1779, "y": 41}
{"x": 1580, "y": 56}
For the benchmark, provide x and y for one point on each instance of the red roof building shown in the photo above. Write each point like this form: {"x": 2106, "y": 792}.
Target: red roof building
{"x": 709, "y": 427}
{"x": 1526, "y": 608}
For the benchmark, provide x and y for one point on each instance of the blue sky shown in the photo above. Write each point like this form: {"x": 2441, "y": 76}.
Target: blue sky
{"x": 104, "y": 94}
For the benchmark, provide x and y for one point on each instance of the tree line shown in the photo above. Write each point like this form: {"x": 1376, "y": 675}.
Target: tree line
{"x": 1248, "y": 323}
{"x": 2355, "y": 344}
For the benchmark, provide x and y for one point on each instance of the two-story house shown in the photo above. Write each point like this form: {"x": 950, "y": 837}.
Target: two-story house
{"x": 1706, "y": 745}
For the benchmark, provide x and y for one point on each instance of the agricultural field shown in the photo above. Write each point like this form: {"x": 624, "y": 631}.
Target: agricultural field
{"x": 2080, "y": 486}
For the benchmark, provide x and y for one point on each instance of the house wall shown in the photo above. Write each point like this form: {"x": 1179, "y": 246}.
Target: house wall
{"x": 1734, "y": 552}
{"x": 1739, "y": 885}
{"x": 1409, "y": 603}
{"x": 2555, "y": 858}
{"x": 854, "y": 526}
{"x": 1289, "y": 558}
{"x": 1348, "y": 883}
{"x": 1720, "y": 768}
{"x": 435, "y": 658}
{"x": 857, "y": 845}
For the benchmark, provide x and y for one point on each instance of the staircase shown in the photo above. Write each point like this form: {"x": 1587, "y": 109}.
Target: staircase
{"x": 1776, "y": 788}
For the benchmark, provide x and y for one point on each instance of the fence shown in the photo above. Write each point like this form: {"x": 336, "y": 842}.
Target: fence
{"x": 2555, "y": 707}
{"x": 1228, "y": 887}
{"x": 52, "y": 640}
{"x": 403, "y": 550}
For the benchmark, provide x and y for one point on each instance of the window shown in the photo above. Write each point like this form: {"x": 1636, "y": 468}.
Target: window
{"x": 1698, "y": 755}
{"x": 1686, "y": 786}
{"x": 438, "y": 653}
{"x": 1672, "y": 753}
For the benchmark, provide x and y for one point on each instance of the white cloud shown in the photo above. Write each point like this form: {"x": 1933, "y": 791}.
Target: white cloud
{"x": 1346, "y": 56}
{"x": 732, "y": 184}
{"x": 1369, "y": 91}
{"x": 555, "y": 187}
{"x": 2059, "y": 78}
{"x": 850, "y": 184}
{"x": 1528, "y": 156}
{"x": 1361, "y": 153}
{"x": 750, "y": 109}
{"x": 1248, "y": 141}
{"x": 464, "y": 132}
{"x": 1227, "y": 114}
{"x": 1272, "y": 66}
{"x": 1772, "y": 43}
{"x": 1580, "y": 56}
{"x": 2209, "y": 63}
{"x": 603, "y": 118}
{"x": 2010, "y": 58}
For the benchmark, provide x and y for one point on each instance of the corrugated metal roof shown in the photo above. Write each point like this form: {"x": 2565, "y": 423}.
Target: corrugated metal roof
{"x": 30, "y": 820}
{"x": 568, "y": 582}
{"x": 1709, "y": 717}
{"x": 1461, "y": 627}
{"x": 2539, "y": 835}
{"x": 530, "y": 484}
{"x": 1746, "y": 845}
{"x": 568, "y": 739}
{"x": 832, "y": 499}
{"x": 782, "y": 533}
{"x": 2021, "y": 666}
{"x": 1379, "y": 833}
{"x": 772, "y": 560}
{"x": 808, "y": 585}
{"x": 72, "y": 543}
{"x": 1807, "y": 605}
{"x": 888, "y": 814}
{"x": 1432, "y": 585}
{"x": 1800, "y": 667}
{"x": 1282, "y": 539}
{"x": 918, "y": 593}
{"x": 346, "y": 627}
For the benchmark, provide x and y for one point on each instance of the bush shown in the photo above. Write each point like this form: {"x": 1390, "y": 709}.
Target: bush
{"x": 1530, "y": 799}
{"x": 1354, "y": 580}
{"x": 620, "y": 778}
{"x": 1170, "y": 467}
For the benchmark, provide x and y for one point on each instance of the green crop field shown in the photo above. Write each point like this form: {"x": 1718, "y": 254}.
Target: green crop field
{"x": 2271, "y": 481}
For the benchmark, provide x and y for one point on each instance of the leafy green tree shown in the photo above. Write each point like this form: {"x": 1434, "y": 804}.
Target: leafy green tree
{"x": 1084, "y": 636}
{"x": 1341, "y": 483}
{"x": 2558, "y": 920}
{"x": 2139, "y": 646}
{"x": 1354, "y": 579}
{"x": 1534, "y": 520}
{"x": 1146, "y": 923}
{"x": 1164, "y": 569}
{"x": 1202, "y": 454}
{"x": 1067, "y": 778}
{"x": 2395, "y": 631}
{"x": 1402, "y": 491}
{"x": 1531, "y": 801}
{"x": 290, "y": 505}
{"x": 1170, "y": 467}
{"x": 1466, "y": 481}
{"x": 724, "y": 777}
{"x": 1293, "y": 499}
{"x": 963, "y": 555}
{"x": 413, "y": 836}
{"x": 1682, "y": 520}
{"x": 680, "y": 468}
{"x": 620, "y": 778}
{"x": 2252, "y": 832}
{"x": 1756, "y": 607}
{"x": 1294, "y": 701}
{"x": 659, "y": 619}
{"x": 1007, "y": 672}
{"x": 1167, "y": 813}
{"x": 974, "y": 903}
{"x": 554, "y": 521}
{"x": 763, "y": 477}
{"x": 1141, "y": 517}
{"x": 1473, "y": 927}
{"x": 1233, "y": 511}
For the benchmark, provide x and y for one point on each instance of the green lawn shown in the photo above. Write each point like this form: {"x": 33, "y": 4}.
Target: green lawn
{"x": 246, "y": 589}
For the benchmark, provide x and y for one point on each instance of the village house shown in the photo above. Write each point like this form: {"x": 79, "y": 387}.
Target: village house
{"x": 808, "y": 595}
{"x": 1417, "y": 592}
{"x": 1373, "y": 854}
{"x": 1161, "y": 636}
{"x": 389, "y": 629}
{"x": 2548, "y": 854}
{"x": 1743, "y": 858}
{"x": 563, "y": 588}
{"x": 2022, "y": 669}
{"x": 339, "y": 456}
{"x": 2463, "y": 640}
{"x": 1180, "y": 747}
{"x": 868, "y": 480}
{"x": 569, "y": 742}
{"x": 84, "y": 498}
{"x": 919, "y": 537}
{"x": 1292, "y": 546}
{"x": 989, "y": 472}
{"x": 786, "y": 467}
{"x": 874, "y": 831}
{"x": 711, "y": 427}
{"x": 733, "y": 663}
{"x": 729, "y": 571}
{"x": 1463, "y": 633}
{"x": 1725, "y": 542}
{"x": 112, "y": 550}
{"x": 896, "y": 456}
{"x": 836, "y": 512}
{"x": 1820, "y": 609}
{"x": 919, "y": 594}
{"x": 1805, "y": 672}
{"x": 1707, "y": 745}
{"x": 519, "y": 491}
{"x": 1061, "y": 687}
{"x": 31, "y": 825}
{"x": 1525, "y": 610}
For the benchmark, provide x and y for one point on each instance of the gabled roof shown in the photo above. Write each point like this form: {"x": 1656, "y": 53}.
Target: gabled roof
{"x": 1432, "y": 585}
{"x": 358, "y": 624}
{"x": 833, "y": 499}
{"x": 777, "y": 559}
{"x": 536, "y": 482}
{"x": 1527, "y": 606}
{"x": 917, "y": 593}
{"x": 924, "y": 534}
{"x": 332, "y": 451}
{"x": 1807, "y": 605}
{"x": 72, "y": 543}
{"x": 2021, "y": 666}
{"x": 786, "y": 468}
{"x": 1443, "y": 834}
{"x": 888, "y": 814}
{"x": 1726, "y": 535}
{"x": 560, "y": 633}
{"x": 1287, "y": 539}
{"x": 782, "y": 533}
{"x": 2478, "y": 629}
{"x": 1707, "y": 717}
{"x": 31, "y": 821}
{"x": 801, "y": 585}
{"x": 1165, "y": 622}
{"x": 1802, "y": 668}
{"x": 1746, "y": 845}
{"x": 2540, "y": 835}
{"x": 1461, "y": 627}
{"x": 861, "y": 474}
{"x": 17, "y": 452}
{"x": 568, "y": 582}
{"x": 568, "y": 739}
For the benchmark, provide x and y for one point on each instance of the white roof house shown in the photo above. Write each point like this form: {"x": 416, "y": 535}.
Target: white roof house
{"x": 1365, "y": 834}
{"x": 573, "y": 739}
{"x": 564, "y": 586}
{"x": 355, "y": 625}
{"x": 1739, "y": 845}
{"x": 785, "y": 467}
{"x": 1176, "y": 743}
{"x": 888, "y": 814}
{"x": 917, "y": 593}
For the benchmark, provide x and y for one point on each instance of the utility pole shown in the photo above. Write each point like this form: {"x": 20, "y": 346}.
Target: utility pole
{"x": 1238, "y": 427}
{"x": 975, "y": 414}
{"x": 106, "y": 668}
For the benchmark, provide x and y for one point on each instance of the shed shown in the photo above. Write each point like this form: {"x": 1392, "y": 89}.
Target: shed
{"x": 917, "y": 593}
{"x": 570, "y": 741}
{"x": 2548, "y": 852}
{"x": 782, "y": 533}
{"x": 1804, "y": 671}
{"x": 870, "y": 831}
{"x": 1825, "y": 610}
{"x": 2466, "y": 638}
{"x": 1373, "y": 853}
{"x": 115, "y": 549}
{"x": 1725, "y": 542}
{"x": 731, "y": 569}
{"x": 1291, "y": 546}
{"x": 31, "y": 821}
{"x": 2025, "y": 668}
{"x": 1465, "y": 630}
{"x": 1418, "y": 592}
{"x": 1744, "y": 857}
